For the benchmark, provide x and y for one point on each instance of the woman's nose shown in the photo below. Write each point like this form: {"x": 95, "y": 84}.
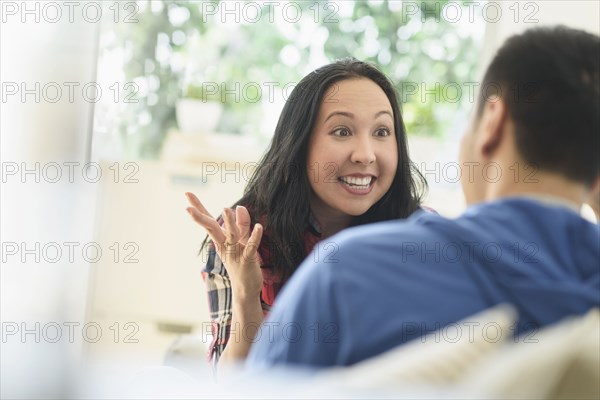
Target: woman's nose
{"x": 363, "y": 152}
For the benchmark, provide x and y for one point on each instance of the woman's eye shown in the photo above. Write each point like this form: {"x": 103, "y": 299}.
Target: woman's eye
{"x": 383, "y": 132}
{"x": 341, "y": 132}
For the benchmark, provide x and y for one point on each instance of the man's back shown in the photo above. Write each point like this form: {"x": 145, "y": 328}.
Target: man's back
{"x": 425, "y": 273}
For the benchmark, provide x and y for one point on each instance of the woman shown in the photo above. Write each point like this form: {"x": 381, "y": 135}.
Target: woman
{"x": 338, "y": 158}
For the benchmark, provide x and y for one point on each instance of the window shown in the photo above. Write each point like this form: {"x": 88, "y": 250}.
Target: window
{"x": 248, "y": 55}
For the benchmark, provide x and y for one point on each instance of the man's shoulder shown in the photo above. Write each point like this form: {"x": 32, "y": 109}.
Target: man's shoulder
{"x": 420, "y": 223}
{"x": 378, "y": 244}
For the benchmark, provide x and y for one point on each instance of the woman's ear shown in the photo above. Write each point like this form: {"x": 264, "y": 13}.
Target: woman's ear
{"x": 492, "y": 127}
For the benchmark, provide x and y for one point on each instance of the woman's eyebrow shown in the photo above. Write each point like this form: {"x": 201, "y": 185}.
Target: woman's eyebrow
{"x": 351, "y": 115}
{"x": 343, "y": 113}
{"x": 383, "y": 113}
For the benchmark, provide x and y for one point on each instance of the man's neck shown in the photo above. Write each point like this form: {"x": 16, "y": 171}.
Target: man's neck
{"x": 542, "y": 185}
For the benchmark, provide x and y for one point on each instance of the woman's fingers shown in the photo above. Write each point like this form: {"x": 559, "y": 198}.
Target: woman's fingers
{"x": 212, "y": 227}
{"x": 236, "y": 230}
{"x": 242, "y": 220}
{"x": 232, "y": 234}
{"x": 201, "y": 215}
{"x": 250, "y": 251}
{"x": 194, "y": 201}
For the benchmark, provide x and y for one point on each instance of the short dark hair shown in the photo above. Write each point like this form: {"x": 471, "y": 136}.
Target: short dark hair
{"x": 549, "y": 79}
{"x": 279, "y": 190}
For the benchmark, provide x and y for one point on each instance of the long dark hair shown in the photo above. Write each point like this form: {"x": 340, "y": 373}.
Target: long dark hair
{"x": 278, "y": 194}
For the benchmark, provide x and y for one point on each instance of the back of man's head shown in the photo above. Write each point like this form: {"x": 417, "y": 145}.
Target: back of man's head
{"x": 549, "y": 79}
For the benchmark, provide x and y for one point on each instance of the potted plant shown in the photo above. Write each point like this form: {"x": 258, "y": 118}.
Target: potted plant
{"x": 200, "y": 109}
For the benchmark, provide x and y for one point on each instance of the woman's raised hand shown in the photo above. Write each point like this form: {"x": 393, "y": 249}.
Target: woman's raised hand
{"x": 235, "y": 244}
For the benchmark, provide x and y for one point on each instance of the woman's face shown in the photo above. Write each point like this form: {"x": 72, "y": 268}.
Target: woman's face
{"x": 352, "y": 152}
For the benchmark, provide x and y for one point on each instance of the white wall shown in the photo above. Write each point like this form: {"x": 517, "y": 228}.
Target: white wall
{"x": 518, "y": 16}
{"x": 36, "y": 132}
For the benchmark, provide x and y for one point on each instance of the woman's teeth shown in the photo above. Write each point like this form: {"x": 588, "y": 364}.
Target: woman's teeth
{"x": 359, "y": 183}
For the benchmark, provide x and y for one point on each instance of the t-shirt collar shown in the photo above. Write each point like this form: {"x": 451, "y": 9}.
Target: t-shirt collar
{"x": 553, "y": 201}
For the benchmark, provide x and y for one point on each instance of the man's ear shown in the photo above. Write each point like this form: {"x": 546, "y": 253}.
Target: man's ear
{"x": 595, "y": 193}
{"x": 596, "y": 185}
{"x": 492, "y": 127}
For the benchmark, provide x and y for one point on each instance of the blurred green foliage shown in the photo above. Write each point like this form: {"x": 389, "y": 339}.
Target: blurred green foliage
{"x": 176, "y": 46}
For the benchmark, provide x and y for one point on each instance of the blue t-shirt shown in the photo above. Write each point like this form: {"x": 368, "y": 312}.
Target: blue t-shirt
{"x": 371, "y": 288}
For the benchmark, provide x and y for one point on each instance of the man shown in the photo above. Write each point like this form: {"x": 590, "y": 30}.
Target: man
{"x": 530, "y": 158}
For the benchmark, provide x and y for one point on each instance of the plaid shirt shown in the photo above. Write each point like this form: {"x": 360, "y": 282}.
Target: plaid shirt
{"x": 218, "y": 287}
